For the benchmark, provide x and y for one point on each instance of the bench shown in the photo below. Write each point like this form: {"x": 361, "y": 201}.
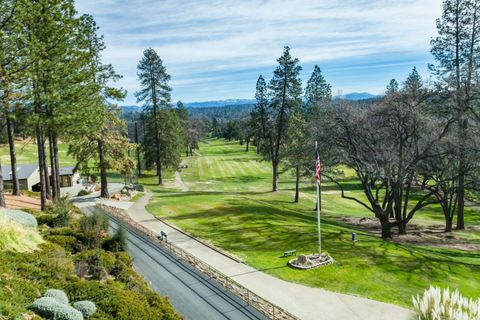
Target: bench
{"x": 290, "y": 253}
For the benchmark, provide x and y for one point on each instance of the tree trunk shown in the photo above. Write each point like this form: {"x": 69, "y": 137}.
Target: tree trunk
{"x": 186, "y": 152}
{"x": 45, "y": 170}
{"x": 103, "y": 171}
{"x": 297, "y": 180}
{"x": 53, "y": 170}
{"x": 191, "y": 151}
{"x": 13, "y": 156}
{"x": 2, "y": 191}
{"x": 402, "y": 227}
{"x": 56, "y": 164}
{"x": 139, "y": 164}
{"x": 248, "y": 144}
{"x": 275, "y": 176}
{"x": 448, "y": 224}
{"x": 461, "y": 172}
{"x": 41, "y": 159}
{"x": 160, "y": 176}
{"x": 386, "y": 228}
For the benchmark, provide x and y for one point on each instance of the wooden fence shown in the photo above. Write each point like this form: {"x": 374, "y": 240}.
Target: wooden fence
{"x": 262, "y": 305}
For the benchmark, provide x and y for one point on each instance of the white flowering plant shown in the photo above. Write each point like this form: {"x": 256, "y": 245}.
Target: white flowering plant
{"x": 444, "y": 304}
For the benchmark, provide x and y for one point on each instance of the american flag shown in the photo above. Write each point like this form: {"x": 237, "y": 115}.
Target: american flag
{"x": 319, "y": 167}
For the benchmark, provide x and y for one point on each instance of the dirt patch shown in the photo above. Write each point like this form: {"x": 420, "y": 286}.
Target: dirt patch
{"x": 21, "y": 202}
{"x": 431, "y": 235}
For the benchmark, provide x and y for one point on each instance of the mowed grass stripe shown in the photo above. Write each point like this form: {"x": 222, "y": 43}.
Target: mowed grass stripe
{"x": 210, "y": 168}
{"x": 240, "y": 169}
{"x": 220, "y": 167}
{"x": 229, "y": 169}
{"x": 249, "y": 168}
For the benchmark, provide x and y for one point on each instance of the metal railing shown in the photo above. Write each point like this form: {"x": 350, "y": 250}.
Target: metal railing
{"x": 267, "y": 308}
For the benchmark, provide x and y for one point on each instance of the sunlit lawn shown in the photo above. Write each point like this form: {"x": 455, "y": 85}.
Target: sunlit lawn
{"x": 230, "y": 204}
{"x": 27, "y": 153}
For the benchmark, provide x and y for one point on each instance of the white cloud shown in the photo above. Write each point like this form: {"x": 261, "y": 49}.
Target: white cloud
{"x": 216, "y": 37}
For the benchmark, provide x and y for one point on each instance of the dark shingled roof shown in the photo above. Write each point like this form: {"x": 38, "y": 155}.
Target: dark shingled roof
{"x": 23, "y": 171}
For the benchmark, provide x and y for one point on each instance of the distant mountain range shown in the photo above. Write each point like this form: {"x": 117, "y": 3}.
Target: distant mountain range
{"x": 219, "y": 103}
{"x": 354, "y": 96}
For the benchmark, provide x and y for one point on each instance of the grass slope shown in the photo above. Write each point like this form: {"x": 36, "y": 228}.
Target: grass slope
{"x": 27, "y": 153}
{"x": 230, "y": 204}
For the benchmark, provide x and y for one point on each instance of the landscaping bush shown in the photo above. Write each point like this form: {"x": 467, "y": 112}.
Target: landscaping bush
{"x": 96, "y": 264}
{"x": 69, "y": 243}
{"x": 51, "y": 308}
{"x": 139, "y": 187}
{"x": 118, "y": 242}
{"x": 83, "y": 192}
{"x": 56, "y": 294}
{"x": 62, "y": 210}
{"x": 87, "y": 308}
{"x": 438, "y": 304}
{"x": 93, "y": 229}
{"x": 47, "y": 219}
{"x": 19, "y": 216}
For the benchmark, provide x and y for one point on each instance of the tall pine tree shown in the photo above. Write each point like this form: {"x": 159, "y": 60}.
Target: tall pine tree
{"x": 457, "y": 51}
{"x": 155, "y": 94}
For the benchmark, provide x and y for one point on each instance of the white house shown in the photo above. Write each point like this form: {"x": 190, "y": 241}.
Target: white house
{"x": 29, "y": 176}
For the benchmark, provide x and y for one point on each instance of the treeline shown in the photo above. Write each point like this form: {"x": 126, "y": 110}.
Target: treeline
{"x": 222, "y": 114}
{"x": 162, "y": 133}
{"x": 55, "y": 87}
{"x": 415, "y": 147}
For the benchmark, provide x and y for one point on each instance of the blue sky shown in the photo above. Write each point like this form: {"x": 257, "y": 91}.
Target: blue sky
{"x": 216, "y": 49}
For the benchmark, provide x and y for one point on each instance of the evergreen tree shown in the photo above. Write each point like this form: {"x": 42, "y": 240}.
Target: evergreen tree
{"x": 155, "y": 94}
{"x": 318, "y": 93}
{"x": 260, "y": 118}
{"x": 457, "y": 51}
{"x": 285, "y": 95}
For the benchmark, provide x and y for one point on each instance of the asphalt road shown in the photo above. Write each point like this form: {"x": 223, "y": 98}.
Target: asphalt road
{"x": 193, "y": 294}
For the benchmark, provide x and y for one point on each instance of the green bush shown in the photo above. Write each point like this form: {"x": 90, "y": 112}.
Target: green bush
{"x": 118, "y": 242}
{"x": 69, "y": 243}
{"x": 83, "y": 192}
{"x": 93, "y": 229}
{"x": 96, "y": 264}
{"x": 62, "y": 210}
{"x": 51, "y": 308}
{"x": 47, "y": 219}
{"x": 56, "y": 294}
{"x": 87, "y": 308}
{"x": 139, "y": 187}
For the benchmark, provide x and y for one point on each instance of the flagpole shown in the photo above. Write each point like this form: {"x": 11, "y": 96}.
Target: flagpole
{"x": 319, "y": 204}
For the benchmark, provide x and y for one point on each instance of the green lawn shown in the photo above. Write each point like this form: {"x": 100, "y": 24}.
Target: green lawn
{"x": 230, "y": 204}
{"x": 27, "y": 153}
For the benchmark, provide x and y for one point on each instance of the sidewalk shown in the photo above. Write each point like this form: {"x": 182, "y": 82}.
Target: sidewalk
{"x": 305, "y": 302}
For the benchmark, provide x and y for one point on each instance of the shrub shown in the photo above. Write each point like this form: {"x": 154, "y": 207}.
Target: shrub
{"x": 94, "y": 263}
{"x": 58, "y": 295}
{"x": 94, "y": 229}
{"x": 139, "y": 187}
{"x": 83, "y": 192}
{"x": 50, "y": 308}
{"x": 47, "y": 219}
{"x": 19, "y": 216}
{"x": 118, "y": 242}
{"x": 67, "y": 242}
{"x": 438, "y": 304}
{"x": 62, "y": 209}
{"x": 87, "y": 308}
